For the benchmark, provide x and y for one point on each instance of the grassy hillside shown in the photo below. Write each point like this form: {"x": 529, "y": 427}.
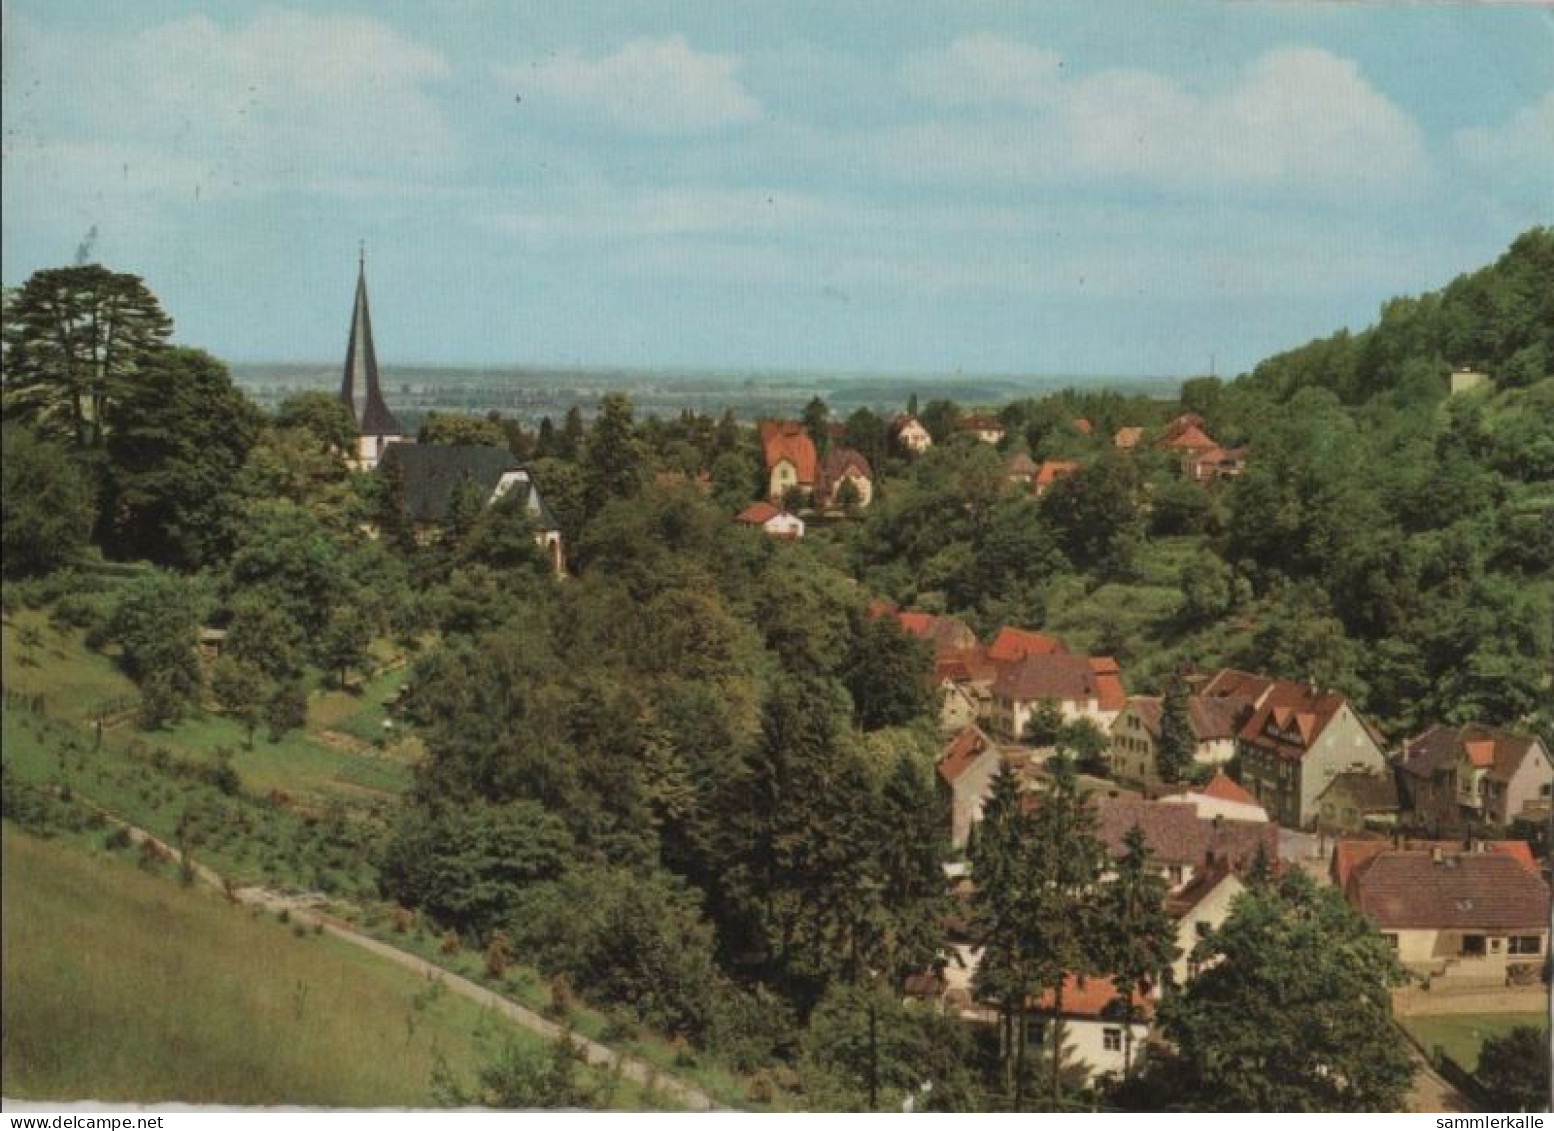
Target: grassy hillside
{"x": 164, "y": 993}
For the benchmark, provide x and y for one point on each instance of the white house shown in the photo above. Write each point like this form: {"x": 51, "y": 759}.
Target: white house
{"x": 772, "y": 520}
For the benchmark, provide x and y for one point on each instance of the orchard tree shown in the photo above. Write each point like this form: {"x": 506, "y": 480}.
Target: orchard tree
{"x": 241, "y": 689}
{"x": 76, "y": 340}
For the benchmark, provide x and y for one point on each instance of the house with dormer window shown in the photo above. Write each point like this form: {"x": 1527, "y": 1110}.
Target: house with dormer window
{"x": 1296, "y": 741}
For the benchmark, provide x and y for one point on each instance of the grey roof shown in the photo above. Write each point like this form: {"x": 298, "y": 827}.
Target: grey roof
{"x": 1372, "y": 792}
{"x": 432, "y": 474}
{"x": 371, "y": 414}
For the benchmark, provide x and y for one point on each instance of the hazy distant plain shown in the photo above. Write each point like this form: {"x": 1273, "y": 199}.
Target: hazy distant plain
{"x": 529, "y": 393}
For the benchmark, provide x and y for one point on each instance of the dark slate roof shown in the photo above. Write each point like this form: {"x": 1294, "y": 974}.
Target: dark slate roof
{"x": 1373, "y": 793}
{"x": 371, "y": 414}
{"x": 1437, "y": 749}
{"x": 1482, "y": 891}
{"x": 433, "y": 472}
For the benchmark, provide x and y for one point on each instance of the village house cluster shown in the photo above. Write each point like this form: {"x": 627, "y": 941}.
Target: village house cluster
{"x": 1269, "y": 754}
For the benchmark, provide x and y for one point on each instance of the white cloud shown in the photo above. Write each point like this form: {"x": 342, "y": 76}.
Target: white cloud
{"x": 596, "y": 212}
{"x": 1294, "y": 119}
{"x": 1522, "y": 145}
{"x": 985, "y": 69}
{"x": 284, "y": 100}
{"x": 659, "y": 86}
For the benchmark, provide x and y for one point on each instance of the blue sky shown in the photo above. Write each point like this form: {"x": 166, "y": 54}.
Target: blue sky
{"x": 1123, "y": 188}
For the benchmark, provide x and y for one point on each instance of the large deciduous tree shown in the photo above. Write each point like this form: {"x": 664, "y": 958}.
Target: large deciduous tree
{"x": 46, "y": 504}
{"x": 75, "y": 339}
{"x": 181, "y": 432}
{"x": 1292, "y": 1010}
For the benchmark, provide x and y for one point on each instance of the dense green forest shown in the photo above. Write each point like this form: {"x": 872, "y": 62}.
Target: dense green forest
{"x": 695, "y": 778}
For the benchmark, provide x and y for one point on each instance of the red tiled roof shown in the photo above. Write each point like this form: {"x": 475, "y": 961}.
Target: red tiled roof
{"x": 1210, "y": 718}
{"x": 1020, "y": 466}
{"x": 1016, "y": 643}
{"x": 981, "y": 422}
{"x": 1192, "y": 439}
{"x": 1052, "y": 470}
{"x": 1092, "y": 997}
{"x": 962, "y": 752}
{"x": 1181, "y": 424}
{"x": 1128, "y": 437}
{"x": 1175, "y": 834}
{"x": 1231, "y": 683}
{"x": 1289, "y": 718}
{"x": 1350, "y": 854}
{"x": 787, "y": 440}
{"x": 1223, "y": 788}
{"x": 1062, "y": 677}
{"x": 1418, "y": 889}
{"x": 1480, "y": 752}
{"x": 961, "y": 664}
{"x": 757, "y": 514}
{"x": 947, "y": 635}
{"x": 1083, "y": 426}
{"x": 1518, "y": 850}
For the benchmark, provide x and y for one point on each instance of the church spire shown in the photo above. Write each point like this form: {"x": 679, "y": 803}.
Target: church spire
{"x": 359, "y": 387}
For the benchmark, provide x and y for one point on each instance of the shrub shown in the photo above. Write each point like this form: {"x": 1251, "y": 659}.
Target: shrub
{"x": 118, "y": 839}
{"x": 562, "y": 1000}
{"x": 761, "y": 1089}
{"x": 450, "y": 942}
{"x": 498, "y": 956}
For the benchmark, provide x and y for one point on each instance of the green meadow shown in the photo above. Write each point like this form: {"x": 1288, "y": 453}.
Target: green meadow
{"x": 120, "y": 985}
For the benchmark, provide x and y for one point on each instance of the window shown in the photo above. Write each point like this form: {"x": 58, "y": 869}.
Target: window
{"x": 1392, "y": 941}
{"x": 1525, "y": 944}
{"x": 1203, "y": 928}
{"x": 1111, "y": 1040}
{"x": 1174, "y": 873}
{"x": 1473, "y": 946}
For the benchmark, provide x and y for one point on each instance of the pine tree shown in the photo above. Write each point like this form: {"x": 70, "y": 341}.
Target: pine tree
{"x": 569, "y": 444}
{"x": 1063, "y": 929}
{"x": 394, "y": 526}
{"x": 75, "y": 339}
{"x": 997, "y": 854}
{"x": 1141, "y": 937}
{"x": 1174, "y": 750}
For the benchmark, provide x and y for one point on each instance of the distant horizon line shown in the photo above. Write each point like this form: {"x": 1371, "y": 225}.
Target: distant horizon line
{"x": 746, "y": 372}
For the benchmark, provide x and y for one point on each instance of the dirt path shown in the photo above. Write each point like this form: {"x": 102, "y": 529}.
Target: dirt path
{"x": 302, "y": 909}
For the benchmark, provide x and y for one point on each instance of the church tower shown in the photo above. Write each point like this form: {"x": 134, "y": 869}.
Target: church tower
{"x": 376, "y": 427}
